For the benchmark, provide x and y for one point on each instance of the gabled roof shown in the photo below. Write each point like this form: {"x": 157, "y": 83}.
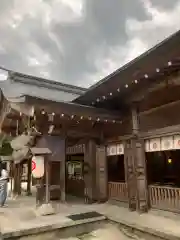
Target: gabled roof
{"x": 19, "y": 84}
{"x": 148, "y": 62}
{"x": 29, "y": 79}
{"x": 25, "y": 93}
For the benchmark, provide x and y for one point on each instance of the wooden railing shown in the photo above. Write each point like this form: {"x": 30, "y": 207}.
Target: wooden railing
{"x": 164, "y": 197}
{"x": 118, "y": 191}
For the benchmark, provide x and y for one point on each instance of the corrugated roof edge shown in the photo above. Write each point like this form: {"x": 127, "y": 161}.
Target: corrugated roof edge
{"x": 42, "y": 82}
{"x": 108, "y": 77}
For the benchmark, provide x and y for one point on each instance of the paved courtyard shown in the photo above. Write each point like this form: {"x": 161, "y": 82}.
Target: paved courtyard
{"x": 107, "y": 233}
{"x": 20, "y": 214}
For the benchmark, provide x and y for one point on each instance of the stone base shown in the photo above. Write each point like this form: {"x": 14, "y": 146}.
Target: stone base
{"x": 88, "y": 200}
{"x": 28, "y": 194}
{"x": 12, "y": 196}
{"x": 44, "y": 210}
{"x": 102, "y": 200}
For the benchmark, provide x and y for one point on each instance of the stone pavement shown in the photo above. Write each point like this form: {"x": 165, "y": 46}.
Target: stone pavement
{"x": 109, "y": 231}
{"x": 156, "y": 223}
{"x": 20, "y": 214}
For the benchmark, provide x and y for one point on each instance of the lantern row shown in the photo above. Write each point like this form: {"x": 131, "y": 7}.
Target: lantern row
{"x": 110, "y": 94}
{"x": 78, "y": 118}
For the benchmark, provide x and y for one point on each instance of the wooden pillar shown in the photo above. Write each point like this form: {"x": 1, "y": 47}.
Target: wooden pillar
{"x": 47, "y": 190}
{"x": 101, "y": 174}
{"x": 63, "y": 171}
{"x": 19, "y": 175}
{"x": 138, "y": 167}
{"x": 15, "y": 177}
{"x": 90, "y": 171}
{"x": 20, "y": 178}
{"x": 29, "y": 177}
{"x": 39, "y": 191}
{"x": 130, "y": 173}
{"x": 11, "y": 177}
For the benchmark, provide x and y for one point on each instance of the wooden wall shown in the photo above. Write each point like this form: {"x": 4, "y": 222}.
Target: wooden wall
{"x": 57, "y": 164}
{"x": 162, "y": 117}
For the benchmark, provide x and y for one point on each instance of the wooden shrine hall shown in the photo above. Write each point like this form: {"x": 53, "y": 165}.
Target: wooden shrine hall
{"x": 119, "y": 139}
{"x": 67, "y": 129}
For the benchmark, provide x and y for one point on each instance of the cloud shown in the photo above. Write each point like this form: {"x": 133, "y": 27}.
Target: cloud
{"x": 3, "y": 75}
{"x": 160, "y": 24}
{"x": 165, "y": 4}
{"x": 81, "y": 41}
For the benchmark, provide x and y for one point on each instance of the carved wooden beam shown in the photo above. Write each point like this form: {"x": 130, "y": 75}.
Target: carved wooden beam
{"x": 77, "y": 148}
{"x": 159, "y": 108}
{"x": 77, "y": 133}
{"x": 73, "y": 109}
{"x": 161, "y": 132}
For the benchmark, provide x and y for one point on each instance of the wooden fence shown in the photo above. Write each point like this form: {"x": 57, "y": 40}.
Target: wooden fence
{"x": 164, "y": 197}
{"x": 118, "y": 191}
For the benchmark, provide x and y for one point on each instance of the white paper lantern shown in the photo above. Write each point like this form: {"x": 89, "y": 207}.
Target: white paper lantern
{"x": 38, "y": 162}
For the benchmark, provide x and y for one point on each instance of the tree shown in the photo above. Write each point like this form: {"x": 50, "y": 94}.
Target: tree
{"x": 5, "y": 145}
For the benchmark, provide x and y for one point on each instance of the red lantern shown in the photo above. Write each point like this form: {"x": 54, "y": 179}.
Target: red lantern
{"x": 38, "y": 166}
{"x": 33, "y": 165}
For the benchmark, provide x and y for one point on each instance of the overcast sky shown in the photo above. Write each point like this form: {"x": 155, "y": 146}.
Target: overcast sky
{"x": 81, "y": 41}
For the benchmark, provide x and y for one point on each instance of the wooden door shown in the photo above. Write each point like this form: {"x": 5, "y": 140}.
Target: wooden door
{"x": 141, "y": 176}
{"x": 101, "y": 173}
{"x": 55, "y": 189}
{"x": 75, "y": 178}
{"x": 129, "y": 152}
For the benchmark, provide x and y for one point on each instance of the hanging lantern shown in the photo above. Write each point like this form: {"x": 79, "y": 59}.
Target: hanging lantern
{"x": 38, "y": 166}
{"x": 169, "y": 160}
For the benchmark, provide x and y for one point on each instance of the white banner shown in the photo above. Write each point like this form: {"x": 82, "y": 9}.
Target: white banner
{"x": 177, "y": 142}
{"x": 167, "y": 143}
{"x": 113, "y": 150}
{"x": 120, "y": 149}
{"x": 155, "y": 145}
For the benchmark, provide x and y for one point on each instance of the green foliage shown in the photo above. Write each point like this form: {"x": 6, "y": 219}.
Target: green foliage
{"x": 5, "y": 146}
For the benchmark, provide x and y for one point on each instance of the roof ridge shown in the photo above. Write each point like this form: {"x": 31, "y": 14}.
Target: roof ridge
{"x": 128, "y": 64}
{"x": 14, "y": 74}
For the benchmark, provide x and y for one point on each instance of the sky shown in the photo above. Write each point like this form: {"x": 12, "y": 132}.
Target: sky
{"x": 80, "y": 41}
